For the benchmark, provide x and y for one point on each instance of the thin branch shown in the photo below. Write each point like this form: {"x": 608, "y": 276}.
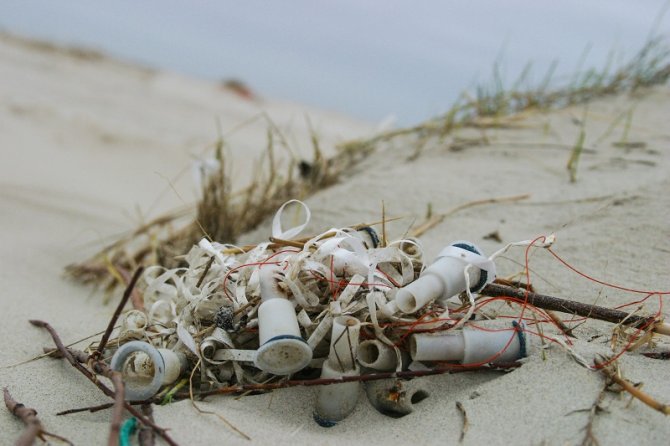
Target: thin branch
{"x": 146, "y": 435}
{"x": 440, "y": 370}
{"x": 110, "y": 327}
{"x": 33, "y": 424}
{"x": 572, "y": 307}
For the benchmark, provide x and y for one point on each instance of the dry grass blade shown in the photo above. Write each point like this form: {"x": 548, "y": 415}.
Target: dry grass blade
{"x": 435, "y": 220}
{"x": 209, "y": 412}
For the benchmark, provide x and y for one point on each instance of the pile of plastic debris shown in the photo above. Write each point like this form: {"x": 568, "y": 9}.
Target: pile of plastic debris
{"x": 336, "y": 305}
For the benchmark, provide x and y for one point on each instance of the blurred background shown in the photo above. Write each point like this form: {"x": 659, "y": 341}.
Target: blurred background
{"x": 373, "y": 60}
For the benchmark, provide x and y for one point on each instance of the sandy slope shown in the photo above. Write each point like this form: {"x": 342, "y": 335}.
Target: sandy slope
{"x": 81, "y": 140}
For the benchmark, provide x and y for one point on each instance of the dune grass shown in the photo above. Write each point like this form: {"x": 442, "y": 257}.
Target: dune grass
{"x": 223, "y": 214}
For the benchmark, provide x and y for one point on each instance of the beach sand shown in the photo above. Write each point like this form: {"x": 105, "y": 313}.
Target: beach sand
{"x": 91, "y": 147}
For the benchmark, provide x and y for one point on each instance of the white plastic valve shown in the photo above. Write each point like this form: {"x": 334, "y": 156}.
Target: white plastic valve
{"x": 145, "y": 368}
{"x": 282, "y": 349}
{"x": 470, "y": 346}
{"x": 445, "y": 277}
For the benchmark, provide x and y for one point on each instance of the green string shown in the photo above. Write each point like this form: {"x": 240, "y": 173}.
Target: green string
{"x": 127, "y": 429}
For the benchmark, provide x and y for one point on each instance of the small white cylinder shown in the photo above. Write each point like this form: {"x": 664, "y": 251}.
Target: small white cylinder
{"x": 334, "y": 402}
{"x": 282, "y": 350}
{"x": 175, "y": 364}
{"x": 485, "y": 346}
{"x": 437, "y": 347}
{"x": 144, "y": 368}
{"x": 344, "y": 343}
{"x": 374, "y": 354}
{"x": 469, "y": 346}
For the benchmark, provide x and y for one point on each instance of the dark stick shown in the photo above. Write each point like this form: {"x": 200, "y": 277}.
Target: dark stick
{"x": 136, "y": 298}
{"x": 33, "y": 424}
{"x": 567, "y": 306}
{"x": 146, "y": 435}
{"x": 443, "y": 369}
{"x": 204, "y": 273}
{"x": 91, "y": 409}
{"x": 68, "y": 354}
{"x": 110, "y": 327}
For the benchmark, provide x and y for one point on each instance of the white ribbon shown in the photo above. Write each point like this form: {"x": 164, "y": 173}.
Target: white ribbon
{"x": 279, "y": 232}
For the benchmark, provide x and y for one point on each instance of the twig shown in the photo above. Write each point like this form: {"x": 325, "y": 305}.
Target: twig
{"x": 68, "y": 354}
{"x": 110, "y": 327}
{"x": 466, "y": 424}
{"x": 136, "y": 298}
{"x": 634, "y": 391}
{"x": 146, "y": 435}
{"x": 573, "y": 307}
{"x": 91, "y": 409}
{"x": 589, "y": 437}
{"x": 291, "y": 243}
{"x": 440, "y": 370}
{"x": 204, "y": 273}
{"x": 33, "y": 424}
{"x": 439, "y": 218}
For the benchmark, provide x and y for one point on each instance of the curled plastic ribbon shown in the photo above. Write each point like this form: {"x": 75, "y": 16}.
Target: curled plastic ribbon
{"x": 279, "y": 232}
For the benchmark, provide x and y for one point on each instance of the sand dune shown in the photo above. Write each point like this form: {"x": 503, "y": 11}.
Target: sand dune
{"x": 86, "y": 139}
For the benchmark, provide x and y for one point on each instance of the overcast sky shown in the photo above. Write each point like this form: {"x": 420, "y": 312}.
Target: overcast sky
{"x": 369, "y": 59}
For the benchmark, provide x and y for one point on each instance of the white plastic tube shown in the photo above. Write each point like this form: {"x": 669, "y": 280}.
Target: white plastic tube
{"x": 344, "y": 343}
{"x": 335, "y": 401}
{"x": 145, "y": 369}
{"x": 282, "y": 349}
{"x": 444, "y": 278}
{"x": 374, "y": 354}
{"x": 469, "y": 346}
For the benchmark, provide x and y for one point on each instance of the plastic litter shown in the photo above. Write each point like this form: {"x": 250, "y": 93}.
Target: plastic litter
{"x": 270, "y": 311}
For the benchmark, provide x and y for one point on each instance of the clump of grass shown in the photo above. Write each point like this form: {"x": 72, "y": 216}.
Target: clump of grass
{"x": 223, "y": 214}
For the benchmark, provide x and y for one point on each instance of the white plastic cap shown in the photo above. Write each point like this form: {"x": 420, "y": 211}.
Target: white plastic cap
{"x": 146, "y": 374}
{"x": 282, "y": 350}
{"x": 335, "y": 402}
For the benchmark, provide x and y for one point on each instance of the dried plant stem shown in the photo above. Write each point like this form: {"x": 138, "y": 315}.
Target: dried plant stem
{"x": 33, "y": 424}
{"x": 589, "y": 436}
{"x": 67, "y": 354}
{"x": 439, "y": 218}
{"x": 146, "y": 436}
{"x": 634, "y": 391}
{"x": 209, "y": 412}
{"x": 136, "y": 298}
{"x": 440, "y": 370}
{"x": 466, "y": 423}
{"x": 110, "y": 327}
{"x": 91, "y": 409}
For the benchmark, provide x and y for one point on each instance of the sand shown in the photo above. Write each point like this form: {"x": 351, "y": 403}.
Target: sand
{"x": 91, "y": 145}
